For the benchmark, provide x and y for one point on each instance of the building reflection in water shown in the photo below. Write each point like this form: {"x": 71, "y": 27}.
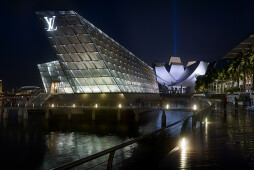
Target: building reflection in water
{"x": 58, "y": 141}
{"x": 67, "y": 147}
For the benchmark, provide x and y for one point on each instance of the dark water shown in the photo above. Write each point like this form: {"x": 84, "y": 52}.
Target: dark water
{"x": 37, "y": 143}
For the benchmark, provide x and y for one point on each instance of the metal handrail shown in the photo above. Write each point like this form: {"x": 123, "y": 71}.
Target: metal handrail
{"x": 112, "y": 150}
{"x": 134, "y": 107}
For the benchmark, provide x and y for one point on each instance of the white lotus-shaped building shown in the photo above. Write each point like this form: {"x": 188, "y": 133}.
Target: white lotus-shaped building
{"x": 175, "y": 78}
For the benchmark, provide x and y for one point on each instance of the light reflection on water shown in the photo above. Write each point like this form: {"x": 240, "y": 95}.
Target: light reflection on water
{"x": 70, "y": 146}
{"x": 57, "y": 142}
{"x": 183, "y": 159}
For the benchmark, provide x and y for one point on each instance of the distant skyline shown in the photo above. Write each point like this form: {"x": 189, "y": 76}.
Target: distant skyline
{"x": 151, "y": 30}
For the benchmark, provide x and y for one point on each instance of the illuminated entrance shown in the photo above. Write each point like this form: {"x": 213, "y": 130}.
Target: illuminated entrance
{"x": 54, "y": 87}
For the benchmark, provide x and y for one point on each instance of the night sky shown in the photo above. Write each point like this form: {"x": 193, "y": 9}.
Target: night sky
{"x": 150, "y": 29}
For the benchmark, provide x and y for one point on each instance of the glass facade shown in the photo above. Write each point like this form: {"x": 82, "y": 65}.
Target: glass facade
{"x": 52, "y": 73}
{"x": 89, "y": 61}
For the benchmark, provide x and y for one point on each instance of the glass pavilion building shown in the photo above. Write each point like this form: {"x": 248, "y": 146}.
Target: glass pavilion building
{"x": 88, "y": 60}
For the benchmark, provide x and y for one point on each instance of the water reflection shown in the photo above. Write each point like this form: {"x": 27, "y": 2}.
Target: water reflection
{"x": 236, "y": 115}
{"x": 59, "y": 141}
{"x": 225, "y": 116}
{"x": 1, "y": 112}
{"x": 183, "y": 159}
{"x": 183, "y": 156}
{"x": 227, "y": 144}
{"x": 206, "y": 127}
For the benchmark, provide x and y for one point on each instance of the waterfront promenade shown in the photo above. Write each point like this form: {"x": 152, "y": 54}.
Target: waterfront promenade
{"x": 226, "y": 141}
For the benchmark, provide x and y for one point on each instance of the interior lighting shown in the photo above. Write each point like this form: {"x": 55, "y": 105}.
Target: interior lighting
{"x": 167, "y": 106}
{"x": 74, "y": 105}
{"x": 96, "y": 105}
{"x": 120, "y": 106}
{"x": 52, "y": 105}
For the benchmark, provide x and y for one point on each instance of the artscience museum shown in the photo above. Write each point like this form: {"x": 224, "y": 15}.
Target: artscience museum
{"x": 174, "y": 77}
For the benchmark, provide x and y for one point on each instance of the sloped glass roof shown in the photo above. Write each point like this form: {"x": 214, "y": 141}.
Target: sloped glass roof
{"x": 90, "y": 60}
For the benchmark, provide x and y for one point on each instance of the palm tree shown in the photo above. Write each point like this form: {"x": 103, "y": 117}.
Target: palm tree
{"x": 224, "y": 74}
{"x": 239, "y": 68}
{"x": 243, "y": 65}
{"x": 234, "y": 71}
{"x": 251, "y": 61}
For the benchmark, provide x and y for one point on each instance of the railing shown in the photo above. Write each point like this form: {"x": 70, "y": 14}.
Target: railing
{"x": 164, "y": 106}
{"x": 134, "y": 107}
{"x": 111, "y": 151}
{"x": 42, "y": 102}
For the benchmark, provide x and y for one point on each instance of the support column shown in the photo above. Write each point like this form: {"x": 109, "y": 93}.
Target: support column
{"x": 163, "y": 119}
{"x": 200, "y": 123}
{"x": 136, "y": 117}
{"x": 93, "y": 114}
{"x": 69, "y": 116}
{"x": 119, "y": 115}
{"x": 194, "y": 120}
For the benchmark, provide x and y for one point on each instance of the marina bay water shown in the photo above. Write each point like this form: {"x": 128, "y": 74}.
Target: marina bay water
{"x": 37, "y": 143}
